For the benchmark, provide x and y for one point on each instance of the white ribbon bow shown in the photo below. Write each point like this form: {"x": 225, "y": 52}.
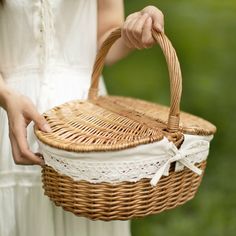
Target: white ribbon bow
{"x": 181, "y": 156}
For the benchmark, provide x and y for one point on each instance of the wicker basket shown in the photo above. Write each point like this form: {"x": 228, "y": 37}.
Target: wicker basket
{"x": 104, "y": 124}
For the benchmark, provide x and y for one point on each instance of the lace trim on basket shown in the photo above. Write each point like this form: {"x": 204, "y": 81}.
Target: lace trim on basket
{"x": 131, "y": 169}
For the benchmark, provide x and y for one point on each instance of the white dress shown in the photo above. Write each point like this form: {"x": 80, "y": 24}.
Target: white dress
{"x": 47, "y": 49}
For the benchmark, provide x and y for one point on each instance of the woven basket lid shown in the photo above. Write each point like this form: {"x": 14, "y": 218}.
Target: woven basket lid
{"x": 108, "y": 123}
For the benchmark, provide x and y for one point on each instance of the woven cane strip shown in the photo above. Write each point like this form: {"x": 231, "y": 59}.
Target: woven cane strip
{"x": 141, "y": 118}
{"x": 99, "y": 62}
{"x": 175, "y": 78}
{"x": 189, "y": 124}
{"x": 122, "y": 201}
{"x": 173, "y": 67}
{"x": 83, "y": 126}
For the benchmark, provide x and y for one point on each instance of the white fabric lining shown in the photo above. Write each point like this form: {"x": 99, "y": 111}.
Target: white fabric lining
{"x": 144, "y": 161}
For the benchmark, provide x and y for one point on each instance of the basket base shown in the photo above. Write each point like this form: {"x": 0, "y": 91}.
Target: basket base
{"x": 123, "y": 201}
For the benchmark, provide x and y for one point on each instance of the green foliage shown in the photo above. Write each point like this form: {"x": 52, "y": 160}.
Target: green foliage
{"x": 204, "y": 35}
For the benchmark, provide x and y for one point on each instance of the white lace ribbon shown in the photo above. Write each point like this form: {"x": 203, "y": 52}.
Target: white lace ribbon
{"x": 150, "y": 161}
{"x": 181, "y": 157}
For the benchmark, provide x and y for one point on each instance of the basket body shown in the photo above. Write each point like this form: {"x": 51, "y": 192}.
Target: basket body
{"x": 128, "y": 200}
{"x": 123, "y": 201}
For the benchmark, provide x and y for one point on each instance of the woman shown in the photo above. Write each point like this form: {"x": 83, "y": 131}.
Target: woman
{"x": 47, "y": 50}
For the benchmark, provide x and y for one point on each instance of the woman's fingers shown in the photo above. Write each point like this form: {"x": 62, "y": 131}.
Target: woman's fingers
{"x": 20, "y": 150}
{"x": 18, "y": 158}
{"x": 31, "y": 113}
{"x": 147, "y": 39}
{"x": 137, "y": 29}
{"x": 158, "y": 21}
{"x": 133, "y": 30}
{"x": 138, "y": 32}
{"x": 126, "y": 31}
{"x": 131, "y": 34}
{"x": 41, "y": 122}
{"x": 157, "y": 17}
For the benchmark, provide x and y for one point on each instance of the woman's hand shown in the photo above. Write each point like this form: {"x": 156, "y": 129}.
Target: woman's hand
{"x": 21, "y": 111}
{"x": 137, "y": 28}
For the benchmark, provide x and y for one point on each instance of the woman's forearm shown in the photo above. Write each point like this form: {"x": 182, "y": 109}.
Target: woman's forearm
{"x": 118, "y": 50}
{"x": 110, "y": 17}
{"x": 5, "y": 92}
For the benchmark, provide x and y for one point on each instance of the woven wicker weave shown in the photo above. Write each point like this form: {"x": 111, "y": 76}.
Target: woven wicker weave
{"x": 109, "y": 123}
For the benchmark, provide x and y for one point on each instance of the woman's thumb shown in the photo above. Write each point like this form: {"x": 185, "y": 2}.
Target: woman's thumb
{"x": 42, "y": 124}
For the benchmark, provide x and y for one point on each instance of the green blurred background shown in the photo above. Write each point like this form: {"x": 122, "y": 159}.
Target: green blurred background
{"x": 203, "y": 33}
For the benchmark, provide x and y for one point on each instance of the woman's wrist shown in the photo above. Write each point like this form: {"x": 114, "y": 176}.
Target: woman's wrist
{"x": 118, "y": 51}
{"x": 5, "y": 94}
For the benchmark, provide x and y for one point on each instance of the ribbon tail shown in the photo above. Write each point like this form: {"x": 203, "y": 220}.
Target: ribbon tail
{"x": 179, "y": 166}
{"x": 191, "y": 166}
{"x": 155, "y": 179}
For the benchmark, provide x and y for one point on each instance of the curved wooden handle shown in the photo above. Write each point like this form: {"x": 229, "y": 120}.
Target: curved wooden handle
{"x": 173, "y": 68}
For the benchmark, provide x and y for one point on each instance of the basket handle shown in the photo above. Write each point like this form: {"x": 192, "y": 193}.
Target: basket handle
{"x": 173, "y": 68}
